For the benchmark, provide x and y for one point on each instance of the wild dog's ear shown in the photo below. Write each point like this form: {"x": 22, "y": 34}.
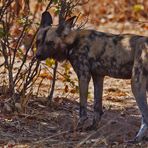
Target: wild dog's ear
{"x": 46, "y": 19}
{"x": 65, "y": 27}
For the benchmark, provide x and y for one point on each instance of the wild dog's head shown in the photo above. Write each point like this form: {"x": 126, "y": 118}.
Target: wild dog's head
{"x": 52, "y": 42}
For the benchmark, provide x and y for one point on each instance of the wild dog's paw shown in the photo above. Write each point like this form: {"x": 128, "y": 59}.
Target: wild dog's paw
{"x": 81, "y": 125}
{"x": 94, "y": 125}
{"x": 96, "y": 120}
{"x": 134, "y": 141}
{"x": 142, "y": 132}
{"x": 137, "y": 140}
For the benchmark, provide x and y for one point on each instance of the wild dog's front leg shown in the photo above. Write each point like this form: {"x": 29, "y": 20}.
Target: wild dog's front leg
{"x": 81, "y": 66}
{"x": 83, "y": 90}
{"x": 98, "y": 90}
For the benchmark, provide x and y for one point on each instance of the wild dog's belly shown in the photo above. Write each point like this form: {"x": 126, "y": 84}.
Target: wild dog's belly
{"x": 112, "y": 69}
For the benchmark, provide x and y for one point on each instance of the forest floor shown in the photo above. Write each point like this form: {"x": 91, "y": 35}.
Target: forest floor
{"x": 49, "y": 125}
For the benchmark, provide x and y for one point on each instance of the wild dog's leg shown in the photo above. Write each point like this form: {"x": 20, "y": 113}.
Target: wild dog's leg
{"x": 81, "y": 66}
{"x": 83, "y": 90}
{"x": 98, "y": 90}
{"x": 139, "y": 90}
{"x": 143, "y": 127}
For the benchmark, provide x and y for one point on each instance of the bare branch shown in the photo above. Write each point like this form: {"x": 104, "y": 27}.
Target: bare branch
{"x": 7, "y": 3}
{"x": 53, "y": 82}
{"x": 19, "y": 41}
{"x": 49, "y": 4}
{"x": 25, "y": 57}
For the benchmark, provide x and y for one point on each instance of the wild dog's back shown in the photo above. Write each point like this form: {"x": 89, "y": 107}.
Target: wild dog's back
{"x": 108, "y": 54}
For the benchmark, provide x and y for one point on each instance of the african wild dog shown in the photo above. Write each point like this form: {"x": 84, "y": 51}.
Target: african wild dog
{"x": 97, "y": 54}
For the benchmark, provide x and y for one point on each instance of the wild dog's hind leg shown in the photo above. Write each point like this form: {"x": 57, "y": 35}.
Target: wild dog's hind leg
{"x": 139, "y": 90}
{"x": 98, "y": 90}
{"x": 143, "y": 127}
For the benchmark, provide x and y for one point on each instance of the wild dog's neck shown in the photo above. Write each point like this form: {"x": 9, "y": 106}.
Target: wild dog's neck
{"x": 70, "y": 42}
{"x": 75, "y": 35}
{"x": 70, "y": 38}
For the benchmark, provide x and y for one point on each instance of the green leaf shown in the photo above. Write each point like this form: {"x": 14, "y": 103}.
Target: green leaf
{"x": 138, "y": 8}
{"x": 50, "y": 62}
{"x": 57, "y": 11}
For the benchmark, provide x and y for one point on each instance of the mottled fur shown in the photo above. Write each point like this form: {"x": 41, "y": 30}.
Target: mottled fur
{"x": 97, "y": 54}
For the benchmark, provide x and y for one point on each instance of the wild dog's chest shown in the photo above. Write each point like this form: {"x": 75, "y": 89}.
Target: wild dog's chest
{"x": 80, "y": 61}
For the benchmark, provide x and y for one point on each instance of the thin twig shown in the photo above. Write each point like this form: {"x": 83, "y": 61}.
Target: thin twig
{"x": 31, "y": 77}
{"x": 39, "y": 86}
{"x": 24, "y": 58}
{"x": 2, "y": 64}
{"x": 53, "y": 82}
{"x": 49, "y": 4}
{"x": 4, "y": 8}
{"x": 19, "y": 41}
{"x": 35, "y": 76}
{"x": 31, "y": 74}
{"x": 55, "y": 135}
